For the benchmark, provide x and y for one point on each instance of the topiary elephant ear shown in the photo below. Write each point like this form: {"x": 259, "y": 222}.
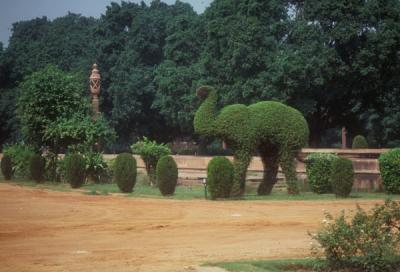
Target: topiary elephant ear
{"x": 277, "y": 131}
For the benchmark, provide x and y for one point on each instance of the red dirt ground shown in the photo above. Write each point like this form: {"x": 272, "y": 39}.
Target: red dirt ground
{"x": 54, "y": 231}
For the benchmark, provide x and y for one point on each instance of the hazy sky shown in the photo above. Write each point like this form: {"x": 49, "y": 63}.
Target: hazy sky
{"x": 16, "y": 10}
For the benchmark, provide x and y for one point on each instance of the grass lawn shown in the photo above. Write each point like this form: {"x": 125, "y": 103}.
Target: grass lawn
{"x": 272, "y": 265}
{"x": 190, "y": 192}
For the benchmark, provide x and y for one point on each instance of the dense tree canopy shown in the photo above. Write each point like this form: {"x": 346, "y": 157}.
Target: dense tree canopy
{"x": 335, "y": 61}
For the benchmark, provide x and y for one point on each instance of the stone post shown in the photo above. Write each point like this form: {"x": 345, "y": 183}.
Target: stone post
{"x": 344, "y": 136}
{"x": 94, "y": 80}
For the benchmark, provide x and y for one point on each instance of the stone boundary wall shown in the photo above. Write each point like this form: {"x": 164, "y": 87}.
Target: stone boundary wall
{"x": 365, "y": 162}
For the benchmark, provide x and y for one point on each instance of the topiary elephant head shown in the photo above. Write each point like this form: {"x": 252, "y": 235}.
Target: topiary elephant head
{"x": 277, "y": 131}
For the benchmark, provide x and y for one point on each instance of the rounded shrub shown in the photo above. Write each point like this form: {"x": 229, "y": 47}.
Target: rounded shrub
{"x": 359, "y": 142}
{"x": 37, "y": 165}
{"x": 75, "y": 173}
{"x": 167, "y": 175}
{"x": 318, "y": 169}
{"x": 125, "y": 172}
{"x": 219, "y": 177}
{"x": 6, "y": 167}
{"x": 342, "y": 177}
{"x": 389, "y": 165}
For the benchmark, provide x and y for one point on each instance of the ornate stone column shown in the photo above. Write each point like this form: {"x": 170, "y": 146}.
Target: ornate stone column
{"x": 95, "y": 89}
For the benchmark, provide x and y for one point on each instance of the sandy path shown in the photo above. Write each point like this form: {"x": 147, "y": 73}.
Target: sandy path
{"x": 54, "y": 231}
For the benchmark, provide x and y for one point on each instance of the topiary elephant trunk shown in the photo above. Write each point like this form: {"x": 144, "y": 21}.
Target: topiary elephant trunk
{"x": 277, "y": 131}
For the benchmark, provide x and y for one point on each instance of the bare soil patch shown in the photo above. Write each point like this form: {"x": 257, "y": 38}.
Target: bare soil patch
{"x": 43, "y": 230}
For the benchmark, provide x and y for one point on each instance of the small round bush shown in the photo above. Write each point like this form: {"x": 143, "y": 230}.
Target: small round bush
{"x": 219, "y": 177}
{"x": 37, "y": 167}
{"x": 342, "y": 177}
{"x": 6, "y": 167}
{"x": 359, "y": 142}
{"x": 75, "y": 173}
{"x": 389, "y": 165}
{"x": 318, "y": 169}
{"x": 167, "y": 175}
{"x": 125, "y": 172}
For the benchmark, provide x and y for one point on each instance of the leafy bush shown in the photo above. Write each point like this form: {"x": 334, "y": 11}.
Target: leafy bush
{"x": 75, "y": 170}
{"x": 360, "y": 142}
{"x": 6, "y": 167}
{"x": 37, "y": 167}
{"x": 318, "y": 168}
{"x": 389, "y": 165}
{"x": 96, "y": 167}
{"x": 125, "y": 172}
{"x": 219, "y": 177}
{"x": 167, "y": 175}
{"x": 20, "y": 154}
{"x": 150, "y": 152}
{"x": 342, "y": 177}
{"x": 367, "y": 242}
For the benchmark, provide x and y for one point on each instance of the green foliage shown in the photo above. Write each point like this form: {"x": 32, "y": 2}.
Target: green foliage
{"x": 153, "y": 56}
{"x": 167, "y": 175}
{"x": 37, "y": 166}
{"x": 75, "y": 173}
{"x": 125, "y": 172}
{"x": 219, "y": 177}
{"x": 318, "y": 169}
{"x": 47, "y": 96}
{"x": 78, "y": 130}
{"x": 96, "y": 167}
{"x": 389, "y": 165}
{"x": 20, "y": 154}
{"x": 277, "y": 130}
{"x": 150, "y": 152}
{"x": 367, "y": 242}
{"x": 342, "y": 177}
{"x": 359, "y": 142}
{"x": 6, "y": 167}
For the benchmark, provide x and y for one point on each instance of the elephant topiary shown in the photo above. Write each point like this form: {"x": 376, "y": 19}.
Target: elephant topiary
{"x": 277, "y": 131}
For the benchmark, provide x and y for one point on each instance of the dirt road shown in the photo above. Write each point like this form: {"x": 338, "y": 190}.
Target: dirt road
{"x": 55, "y": 231}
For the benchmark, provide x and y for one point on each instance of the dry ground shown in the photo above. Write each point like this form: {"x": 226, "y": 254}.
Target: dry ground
{"x": 54, "y": 231}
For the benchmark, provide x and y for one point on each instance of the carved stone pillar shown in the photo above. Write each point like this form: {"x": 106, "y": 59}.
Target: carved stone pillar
{"x": 95, "y": 89}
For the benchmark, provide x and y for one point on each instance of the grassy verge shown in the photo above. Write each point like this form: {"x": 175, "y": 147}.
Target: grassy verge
{"x": 193, "y": 192}
{"x": 272, "y": 265}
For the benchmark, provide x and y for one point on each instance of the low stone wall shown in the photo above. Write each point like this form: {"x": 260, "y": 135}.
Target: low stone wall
{"x": 365, "y": 162}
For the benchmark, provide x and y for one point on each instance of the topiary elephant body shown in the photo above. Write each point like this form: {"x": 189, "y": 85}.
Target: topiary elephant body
{"x": 277, "y": 131}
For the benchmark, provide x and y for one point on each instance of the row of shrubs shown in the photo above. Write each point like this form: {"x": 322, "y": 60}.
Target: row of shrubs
{"x": 329, "y": 173}
{"x": 124, "y": 168}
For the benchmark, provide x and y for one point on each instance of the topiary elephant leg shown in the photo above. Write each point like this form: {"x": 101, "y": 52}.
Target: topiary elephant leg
{"x": 289, "y": 169}
{"x": 241, "y": 162}
{"x": 271, "y": 166}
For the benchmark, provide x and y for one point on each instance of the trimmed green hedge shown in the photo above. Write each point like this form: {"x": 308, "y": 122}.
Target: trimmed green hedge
{"x": 276, "y": 130}
{"x": 219, "y": 177}
{"x": 167, "y": 175}
{"x": 318, "y": 169}
{"x": 342, "y": 177}
{"x": 125, "y": 172}
{"x": 389, "y": 165}
{"x": 37, "y": 166}
{"x": 75, "y": 172}
{"x": 359, "y": 142}
{"x": 6, "y": 167}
